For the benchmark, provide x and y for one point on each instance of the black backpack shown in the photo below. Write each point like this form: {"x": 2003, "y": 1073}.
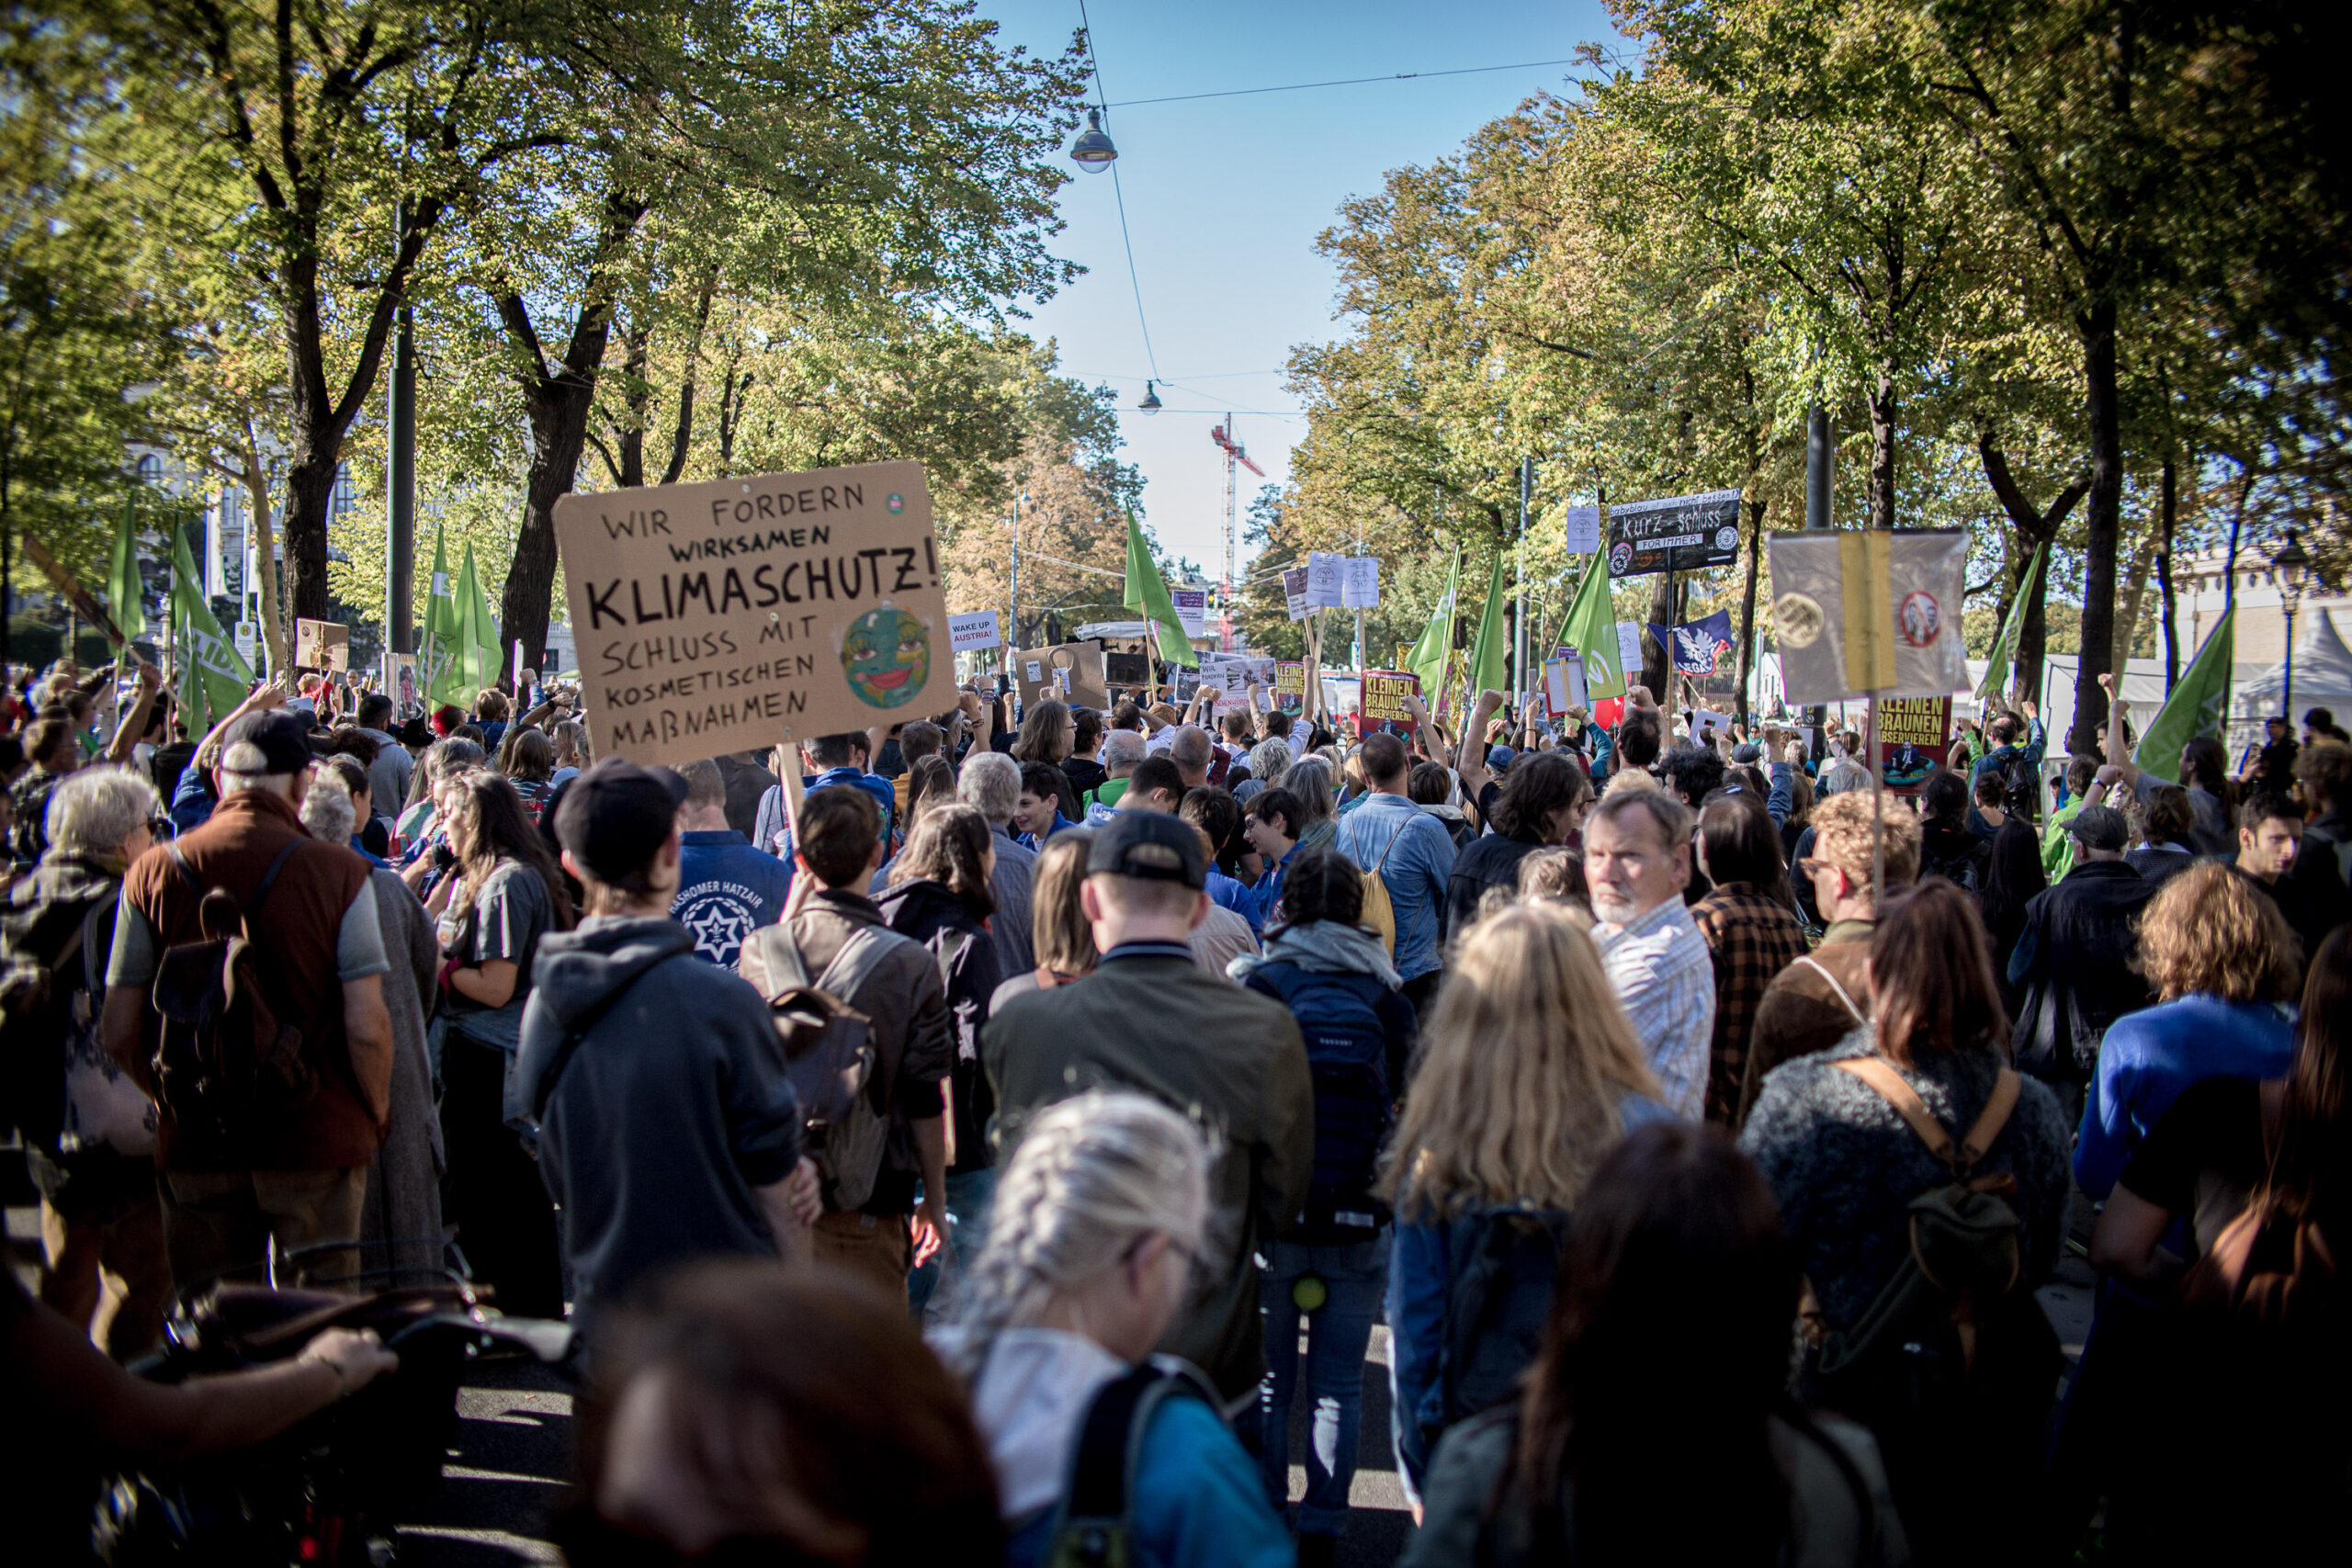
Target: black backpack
{"x": 1096, "y": 1527}
{"x": 1496, "y": 1306}
{"x": 227, "y": 1061}
{"x": 829, "y": 1055}
{"x": 1953, "y": 1367}
{"x": 2021, "y": 790}
{"x": 1347, "y": 1053}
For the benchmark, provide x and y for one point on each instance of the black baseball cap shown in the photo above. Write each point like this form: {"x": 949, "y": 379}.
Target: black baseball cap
{"x": 616, "y": 816}
{"x": 271, "y": 742}
{"x": 1151, "y": 846}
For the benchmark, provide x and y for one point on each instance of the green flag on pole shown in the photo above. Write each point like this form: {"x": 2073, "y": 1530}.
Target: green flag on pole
{"x": 477, "y": 631}
{"x": 1591, "y": 630}
{"x": 445, "y": 671}
{"x": 2005, "y": 647}
{"x": 1491, "y": 650}
{"x": 214, "y": 677}
{"x": 1147, "y": 593}
{"x": 124, "y": 589}
{"x": 1426, "y": 657}
{"x": 2195, "y": 706}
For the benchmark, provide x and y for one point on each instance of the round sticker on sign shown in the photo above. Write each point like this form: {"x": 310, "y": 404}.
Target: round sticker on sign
{"x": 1920, "y": 620}
{"x": 886, "y": 653}
{"x": 894, "y": 503}
{"x": 1727, "y": 539}
{"x": 1797, "y": 619}
{"x": 1621, "y": 558}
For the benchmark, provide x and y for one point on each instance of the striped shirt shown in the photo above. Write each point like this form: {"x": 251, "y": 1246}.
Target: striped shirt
{"x": 1666, "y": 981}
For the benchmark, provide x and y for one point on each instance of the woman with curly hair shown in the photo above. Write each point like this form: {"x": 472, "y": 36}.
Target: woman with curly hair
{"x": 2221, "y": 960}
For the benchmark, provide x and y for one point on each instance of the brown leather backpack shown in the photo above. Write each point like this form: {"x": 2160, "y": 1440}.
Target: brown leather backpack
{"x": 227, "y": 1063}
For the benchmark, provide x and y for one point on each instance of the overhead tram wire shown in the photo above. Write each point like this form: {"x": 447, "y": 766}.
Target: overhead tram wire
{"x": 1119, "y": 194}
{"x": 1304, "y": 86}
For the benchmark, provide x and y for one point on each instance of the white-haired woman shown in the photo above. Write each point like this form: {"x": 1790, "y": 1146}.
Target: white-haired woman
{"x": 88, "y": 1130}
{"x": 1309, "y": 778}
{"x": 1097, "y": 1220}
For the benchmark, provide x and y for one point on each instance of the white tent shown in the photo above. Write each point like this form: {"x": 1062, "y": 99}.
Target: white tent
{"x": 2323, "y": 675}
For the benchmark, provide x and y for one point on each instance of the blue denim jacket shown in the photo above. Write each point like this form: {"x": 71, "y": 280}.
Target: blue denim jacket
{"x": 1418, "y": 860}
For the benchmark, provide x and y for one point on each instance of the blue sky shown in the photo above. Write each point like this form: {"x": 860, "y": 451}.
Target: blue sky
{"x": 1225, "y": 196}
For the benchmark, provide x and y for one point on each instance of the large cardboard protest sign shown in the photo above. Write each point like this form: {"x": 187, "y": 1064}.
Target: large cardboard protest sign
{"x": 1682, "y": 533}
{"x": 725, "y": 615}
{"x": 1067, "y": 673}
{"x": 322, "y": 645}
{"x": 1914, "y": 738}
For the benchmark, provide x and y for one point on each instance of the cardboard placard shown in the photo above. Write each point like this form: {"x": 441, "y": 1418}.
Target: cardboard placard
{"x": 1706, "y": 722}
{"x": 1384, "y": 692}
{"x": 400, "y": 682}
{"x": 1564, "y": 687}
{"x": 1191, "y": 609}
{"x": 1232, "y": 675}
{"x": 1914, "y": 740}
{"x": 1294, "y": 592}
{"x": 322, "y": 645}
{"x": 1858, "y": 613}
{"x": 969, "y": 634}
{"x": 1326, "y": 579}
{"x": 1125, "y": 668}
{"x": 726, "y": 616}
{"x": 1068, "y": 672}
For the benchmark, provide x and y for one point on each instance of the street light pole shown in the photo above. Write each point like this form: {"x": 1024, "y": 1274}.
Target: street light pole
{"x": 400, "y": 499}
{"x": 1519, "y": 603}
{"x": 2290, "y": 567}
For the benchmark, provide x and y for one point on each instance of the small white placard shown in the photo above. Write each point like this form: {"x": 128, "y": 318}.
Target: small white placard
{"x": 1583, "y": 525}
{"x": 969, "y": 634}
{"x": 1326, "y": 573}
{"x": 1361, "y": 588}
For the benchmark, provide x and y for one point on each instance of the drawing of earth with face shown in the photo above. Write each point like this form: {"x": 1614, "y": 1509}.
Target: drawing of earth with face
{"x": 886, "y": 653}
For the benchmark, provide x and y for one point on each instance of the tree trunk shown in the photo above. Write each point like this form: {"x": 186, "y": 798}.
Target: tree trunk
{"x": 310, "y": 496}
{"x": 637, "y": 397}
{"x": 557, "y": 398}
{"x": 1884, "y": 408}
{"x": 1657, "y": 668}
{"x": 1747, "y": 611}
{"x": 2165, "y": 520}
{"x": 2033, "y": 529}
{"x": 2104, "y": 518}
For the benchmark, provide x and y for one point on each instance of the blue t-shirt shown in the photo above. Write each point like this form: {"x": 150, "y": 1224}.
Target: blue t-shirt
{"x": 726, "y": 890}
{"x": 2148, "y": 1058}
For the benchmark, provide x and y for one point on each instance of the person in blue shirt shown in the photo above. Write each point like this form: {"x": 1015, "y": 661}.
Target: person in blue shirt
{"x": 2220, "y": 959}
{"x": 1097, "y": 1220}
{"x": 1273, "y": 819}
{"x": 1037, "y": 812}
{"x": 1413, "y": 855}
{"x": 726, "y": 889}
{"x": 841, "y": 760}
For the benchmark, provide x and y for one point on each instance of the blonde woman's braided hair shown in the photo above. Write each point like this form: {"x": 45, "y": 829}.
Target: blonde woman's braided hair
{"x": 1093, "y": 1176}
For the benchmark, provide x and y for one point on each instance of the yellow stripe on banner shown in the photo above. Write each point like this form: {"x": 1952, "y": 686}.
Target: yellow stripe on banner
{"x": 1866, "y": 584}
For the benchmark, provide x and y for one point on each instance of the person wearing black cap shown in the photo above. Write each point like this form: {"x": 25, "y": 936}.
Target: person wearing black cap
{"x": 1149, "y": 1020}
{"x": 297, "y": 1175}
{"x": 667, "y": 1125}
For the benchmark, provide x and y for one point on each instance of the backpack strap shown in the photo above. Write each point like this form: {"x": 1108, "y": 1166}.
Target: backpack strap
{"x": 1880, "y": 1074}
{"x": 1822, "y": 969}
{"x": 1098, "y": 1504}
{"x": 1392, "y": 841}
{"x": 260, "y": 889}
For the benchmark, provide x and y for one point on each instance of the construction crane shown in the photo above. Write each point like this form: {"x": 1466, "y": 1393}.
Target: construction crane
{"x": 1234, "y": 455}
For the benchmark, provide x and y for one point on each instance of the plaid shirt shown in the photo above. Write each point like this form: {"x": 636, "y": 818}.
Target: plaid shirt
{"x": 1658, "y": 964}
{"x": 1751, "y": 938}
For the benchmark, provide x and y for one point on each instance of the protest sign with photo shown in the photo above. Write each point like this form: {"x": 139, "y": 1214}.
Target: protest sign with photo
{"x": 1294, "y": 592}
{"x": 1289, "y": 685}
{"x": 970, "y": 634}
{"x": 1914, "y": 738}
{"x": 1384, "y": 692}
{"x": 400, "y": 682}
{"x": 322, "y": 645}
{"x": 1683, "y": 532}
{"x": 725, "y": 615}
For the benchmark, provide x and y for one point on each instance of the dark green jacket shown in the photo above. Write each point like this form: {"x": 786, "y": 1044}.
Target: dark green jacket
{"x": 1149, "y": 1019}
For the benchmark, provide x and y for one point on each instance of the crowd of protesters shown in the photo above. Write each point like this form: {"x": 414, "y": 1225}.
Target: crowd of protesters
{"x": 1700, "y": 1120}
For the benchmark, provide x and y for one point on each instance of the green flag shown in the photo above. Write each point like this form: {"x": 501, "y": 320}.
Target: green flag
{"x": 213, "y": 676}
{"x": 478, "y": 628}
{"x": 2195, "y": 706}
{"x": 1491, "y": 650}
{"x": 2005, "y": 647}
{"x": 124, "y": 588}
{"x": 1426, "y": 657}
{"x": 1591, "y": 630}
{"x": 444, "y": 671}
{"x": 1147, "y": 593}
